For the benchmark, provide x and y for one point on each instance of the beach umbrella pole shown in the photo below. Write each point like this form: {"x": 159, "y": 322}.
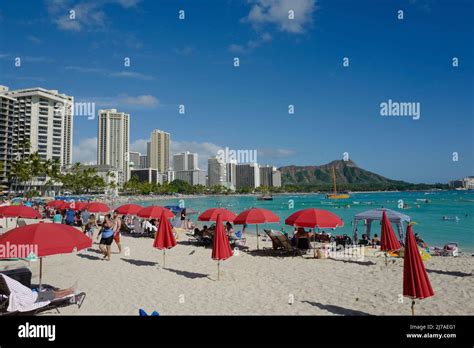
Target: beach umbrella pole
{"x": 164, "y": 257}
{"x": 218, "y": 263}
{"x": 257, "y": 235}
{"x": 41, "y": 273}
{"x": 413, "y": 307}
{"x": 314, "y": 248}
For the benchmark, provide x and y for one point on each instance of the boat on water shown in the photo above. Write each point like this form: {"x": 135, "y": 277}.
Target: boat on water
{"x": 450, "y": 218}
{"x": 425, "y": 200}
{"x": 265, "y": 198}
{"x": 335, "y": 194}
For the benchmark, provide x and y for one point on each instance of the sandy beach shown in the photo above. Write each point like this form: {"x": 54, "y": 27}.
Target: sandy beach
{"x": 251, "y": 283}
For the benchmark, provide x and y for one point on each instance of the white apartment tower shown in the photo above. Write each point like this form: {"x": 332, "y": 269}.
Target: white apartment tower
{"x": 216, "y": 172}
{"x": 185, "y": 161}
{"x": 44, "y": 118}
{"x": 8, "y": 118}
{"x": 113, "y": 142}
{"x": 159, "y": 150}
{"x": 247, "y": 176}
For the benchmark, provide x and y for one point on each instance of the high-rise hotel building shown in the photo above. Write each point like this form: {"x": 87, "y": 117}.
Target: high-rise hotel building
{"x": 159, "y": 151}
{"x": 42, "y": 117}
{"x": 113, "y": 142}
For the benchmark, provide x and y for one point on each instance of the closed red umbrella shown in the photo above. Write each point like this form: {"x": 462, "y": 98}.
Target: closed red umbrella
{"x": 129, "y": 209}
{"x": 416, "y": 283}
{"x": 97, "y": 207}
{"x": 20, "y": 211}
{"x": 211, "y": 215}
{"x": 154, "y": 212}
{"x": 164, "y": 238}
{"x": 256, "y": 216}
{"x": 314, "y": 218}
{"x": 221, "y": 249}
{"x": 45, "y": 239}
{"x": 388, "y": 240}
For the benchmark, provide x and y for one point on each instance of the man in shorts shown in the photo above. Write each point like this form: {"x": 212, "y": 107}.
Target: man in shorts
{"x": 116, "y": 228}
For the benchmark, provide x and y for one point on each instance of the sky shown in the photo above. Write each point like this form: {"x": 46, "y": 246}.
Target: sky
{"x": 404, "y": 57}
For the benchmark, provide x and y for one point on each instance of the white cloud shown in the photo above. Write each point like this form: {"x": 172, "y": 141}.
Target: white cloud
{"x": 128, "y": 3}
{"x": 34, "y": 39}
{"x": 141, "y": 100}
{"x": 251, "y": 44}
{"x": 123, "y": 101}
{"x": 270, "y": 154}
{"x": 88, "y": 14}
{"x": 85, "y": 151}
{"x": 276, "y": 12}
{"x": 84, "y": 69}
{"x": 139, "y": 145}
{"x": 131, "y": 74}
{"x": 109, "y": 73}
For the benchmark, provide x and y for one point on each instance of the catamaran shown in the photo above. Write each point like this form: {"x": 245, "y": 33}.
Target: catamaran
{"x": 336, "y": 195}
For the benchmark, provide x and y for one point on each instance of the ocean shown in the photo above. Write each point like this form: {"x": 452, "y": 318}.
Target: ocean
{"x": 427, "y": 215}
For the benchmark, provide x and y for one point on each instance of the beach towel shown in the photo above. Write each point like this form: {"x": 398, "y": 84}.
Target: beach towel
{"x": 21, "y": 298}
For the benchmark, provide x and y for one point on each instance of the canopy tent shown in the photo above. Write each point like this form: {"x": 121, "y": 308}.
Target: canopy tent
{"x": 376, "y": 215}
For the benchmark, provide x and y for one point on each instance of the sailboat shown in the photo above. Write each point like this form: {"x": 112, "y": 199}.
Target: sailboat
{"x": 335, "y": 195}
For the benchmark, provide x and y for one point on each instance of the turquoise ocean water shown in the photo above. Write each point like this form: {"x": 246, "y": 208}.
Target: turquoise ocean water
{"x": 428, "y": 216}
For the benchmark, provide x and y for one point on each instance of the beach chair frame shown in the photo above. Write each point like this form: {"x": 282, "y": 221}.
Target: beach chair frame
{"x": 282, "y": 245}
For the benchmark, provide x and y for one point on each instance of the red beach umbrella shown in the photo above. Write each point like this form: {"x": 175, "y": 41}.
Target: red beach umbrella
{"x": 314, "y": 218}
{"x": 213, "y": 213}
{"x": 77, "y": 206}
{"x": 129, "y": 209}
{"x": 154, "y": 212}
{"x": 65, "y": 205}
{"x": 97, "y": 207}
{"x": 256, "y": 216}
{"x": 221, "y": 249}
{"x": 20, "y": 211}
{"x": 43, "y": 239}
{"x": 388, "y": 241}
{"x": 54, "y": 204}
{"x": 416, "y": 283}
{"x": 164, "y": 238}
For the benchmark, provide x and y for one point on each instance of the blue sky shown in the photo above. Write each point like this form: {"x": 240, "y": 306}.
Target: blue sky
{"x": 282, "y": 62}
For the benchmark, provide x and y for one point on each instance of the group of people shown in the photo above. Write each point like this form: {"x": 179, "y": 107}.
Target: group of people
{"x": 108, "y": 227}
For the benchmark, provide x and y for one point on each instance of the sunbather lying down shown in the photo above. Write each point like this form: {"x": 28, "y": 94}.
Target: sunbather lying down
{"x": 23, "y": 299}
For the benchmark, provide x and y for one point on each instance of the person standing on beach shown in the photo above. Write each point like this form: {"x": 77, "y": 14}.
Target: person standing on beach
{"x": 107, "y": 237}
{"x": 85, "y": 215}
{"x": 183, "y": 218}
{"x": 70, "y": 216}
{"x": 90, "y": 226}
{"x": 57, "y": 218}
{"x": 116, "y": 228}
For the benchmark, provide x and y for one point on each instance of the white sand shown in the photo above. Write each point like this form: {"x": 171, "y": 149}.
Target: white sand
{"x": 250, "y": 284}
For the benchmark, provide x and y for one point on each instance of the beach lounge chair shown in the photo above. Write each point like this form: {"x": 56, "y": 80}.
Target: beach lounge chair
{"x": 201, "y": 238}
{"x": 10, "y": 287}
{"x": 322, "y": 237}
{"x": 237, "y": 239}
{"x": 21, "y": 223}
{"x": 281, "y": 244}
